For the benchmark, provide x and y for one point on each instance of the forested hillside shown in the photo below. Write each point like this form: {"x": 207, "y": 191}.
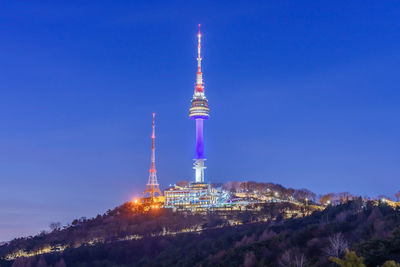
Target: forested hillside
{"x": 368, "y": 228}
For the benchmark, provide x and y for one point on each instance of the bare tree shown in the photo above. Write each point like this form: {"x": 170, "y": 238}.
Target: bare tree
{"x": 304, "y": 195}
{"x": 42, "y": 262}
{"x": 24, "y": 262}
{"x": 300, "y": 260}
{"x": 344, "y": 197}
{"x": 383, "y": 197}
{"x": 249, "y": 259}
{"x": 285, "y": 259}
{"x": 231, "y": 186}
{"x": 267, "y": 234}
{"x": 61, "y": 263}
{"x": 337, "y": 245}
{"x": 292, "y": 258}
{"x": 183, "y": 183}
{"x": 55, "y": 226}
{"x": 397, "y": 196}
{"x": 327, "y": 199}
{"x": 246, "y": 240}
{"x": 375, "y": 214}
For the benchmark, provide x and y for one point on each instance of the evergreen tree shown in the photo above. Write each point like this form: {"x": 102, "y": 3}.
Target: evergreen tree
{"x": 391, "y": 264}
{"x": 350, "y": 259}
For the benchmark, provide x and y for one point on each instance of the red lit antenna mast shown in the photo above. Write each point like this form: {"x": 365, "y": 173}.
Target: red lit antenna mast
{"x": 152, "y": 186}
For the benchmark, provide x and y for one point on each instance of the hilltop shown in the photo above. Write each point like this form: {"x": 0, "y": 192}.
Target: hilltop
{"x": 263, "y": 201}
{"x": 285, "y": 233}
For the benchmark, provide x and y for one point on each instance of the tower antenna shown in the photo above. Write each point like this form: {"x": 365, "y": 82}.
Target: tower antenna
{"x": 199, "y": 75}
{"x": 152, "y": 186}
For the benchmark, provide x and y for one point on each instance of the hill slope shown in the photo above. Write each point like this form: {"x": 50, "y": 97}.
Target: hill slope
{"x": 265, "y": 238}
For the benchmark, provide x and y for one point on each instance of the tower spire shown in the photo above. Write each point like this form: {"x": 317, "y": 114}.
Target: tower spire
{"x": 199, "y": 75}
{"x": 152, "y": 186}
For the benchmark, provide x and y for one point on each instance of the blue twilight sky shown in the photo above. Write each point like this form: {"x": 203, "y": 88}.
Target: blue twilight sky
{"x": 302, "y": 93}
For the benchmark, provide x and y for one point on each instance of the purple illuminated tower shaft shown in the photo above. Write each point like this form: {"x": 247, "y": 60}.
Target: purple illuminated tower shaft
{"x": 199, "y": 111}
{"x": 199, "y": 139}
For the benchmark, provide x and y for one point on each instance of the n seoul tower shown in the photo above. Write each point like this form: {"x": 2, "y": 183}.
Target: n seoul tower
{"x": 199, "y": 111}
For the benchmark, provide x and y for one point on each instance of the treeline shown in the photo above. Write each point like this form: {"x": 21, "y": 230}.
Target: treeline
{"x": 302, "y": 195}
{"x": 368, "y": 230}
{"x": 272, "y": 189}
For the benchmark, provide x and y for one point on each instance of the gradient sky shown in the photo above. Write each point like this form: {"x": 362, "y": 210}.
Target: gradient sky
{"x": 302, "y": 93}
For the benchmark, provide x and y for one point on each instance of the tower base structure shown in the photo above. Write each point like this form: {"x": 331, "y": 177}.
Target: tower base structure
{"x": 152, "y": 190}
{"x": 199, "y": 168}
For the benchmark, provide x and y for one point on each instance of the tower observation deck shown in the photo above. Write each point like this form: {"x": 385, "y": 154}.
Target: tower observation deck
{"x": 199, "y": 111}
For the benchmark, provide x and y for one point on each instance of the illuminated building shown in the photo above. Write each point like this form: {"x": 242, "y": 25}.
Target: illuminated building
{"x": 195, "y": 196}
{"x": 199, "y": 111}
{"x": 152, "y": 186}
